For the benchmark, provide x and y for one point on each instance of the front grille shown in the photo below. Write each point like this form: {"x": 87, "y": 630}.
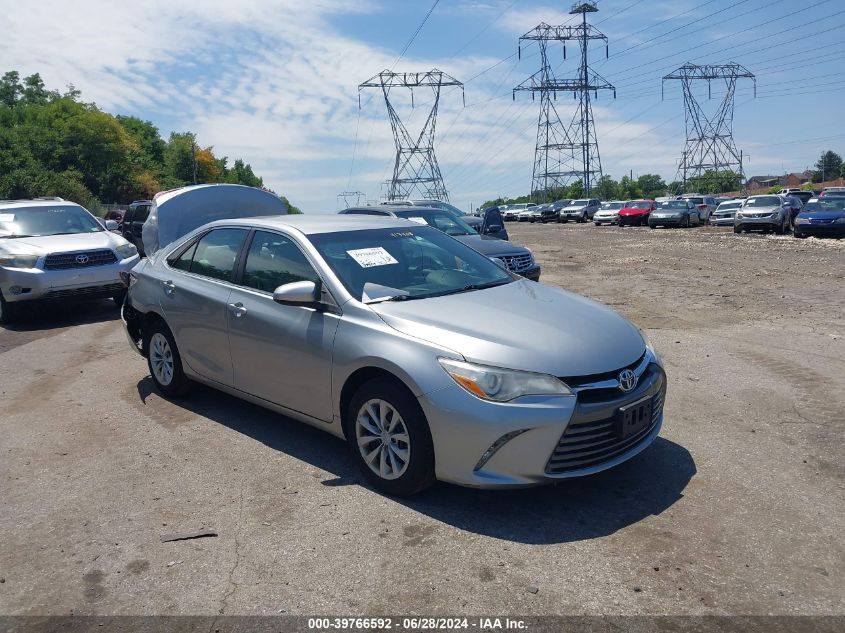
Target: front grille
{"x": 108, "y": 290}
{"x": 593, "y": 435}
{"x": 86, "y": 259}
{"x": 518, "y": 263}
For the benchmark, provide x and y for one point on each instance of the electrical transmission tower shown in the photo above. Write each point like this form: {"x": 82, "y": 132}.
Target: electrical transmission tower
{"x": 710, "y": 146}
{"x": 416, "y": 167}
{"x": 565, "y": 152}
{"x": 346, "y": 196}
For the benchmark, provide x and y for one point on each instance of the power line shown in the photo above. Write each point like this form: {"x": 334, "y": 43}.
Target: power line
{"x": 417, "y": 32}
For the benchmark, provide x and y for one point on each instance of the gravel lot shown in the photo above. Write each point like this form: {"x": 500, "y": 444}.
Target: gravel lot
{"x": 734, "y": 510}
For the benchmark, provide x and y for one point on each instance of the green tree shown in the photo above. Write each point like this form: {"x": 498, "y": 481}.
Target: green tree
{"x": 651, "y": 185}
{"x": 606, "y": 188}
{"x": 629, "y": 189}
{"x": 828, "y": 167}
{"x": 576, "y": 189}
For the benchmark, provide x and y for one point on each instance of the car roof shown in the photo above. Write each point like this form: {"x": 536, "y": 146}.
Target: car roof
{"x": 315, "y": 223}
{"x": 19, "y": 204}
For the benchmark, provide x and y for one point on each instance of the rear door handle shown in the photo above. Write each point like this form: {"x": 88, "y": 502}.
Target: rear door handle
{"x": 169, "y": 288}
{"x": 237, "y": 309}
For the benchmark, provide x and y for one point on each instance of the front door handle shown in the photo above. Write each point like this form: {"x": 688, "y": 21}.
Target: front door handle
{"x": 169, "y": 288}
{"x": 237, "y": 309}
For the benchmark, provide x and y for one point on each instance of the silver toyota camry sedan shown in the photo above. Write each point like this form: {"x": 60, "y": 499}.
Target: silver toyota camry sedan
{"x": 431, "y": 360}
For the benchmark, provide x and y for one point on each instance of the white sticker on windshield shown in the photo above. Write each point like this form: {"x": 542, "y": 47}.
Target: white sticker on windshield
{"x": 369, "y": 257}
{"x": 7, "y": 217}
{"x": 418, "y": 220}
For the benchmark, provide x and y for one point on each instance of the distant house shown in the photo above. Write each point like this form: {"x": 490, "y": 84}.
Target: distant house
{"x": 756, "y": 183}
{"x": 796, "y": 179}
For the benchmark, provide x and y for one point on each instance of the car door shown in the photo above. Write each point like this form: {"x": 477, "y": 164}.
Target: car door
{"x": 194, "y": 300}
{"x": 281, "y": 353}
{"x": 492, "y": 219}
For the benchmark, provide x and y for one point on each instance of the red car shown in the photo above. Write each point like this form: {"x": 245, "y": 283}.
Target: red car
{"x": 636, "y": 212}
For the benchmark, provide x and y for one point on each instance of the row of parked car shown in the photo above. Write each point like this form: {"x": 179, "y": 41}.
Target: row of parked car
{"x": 803, "y": 213}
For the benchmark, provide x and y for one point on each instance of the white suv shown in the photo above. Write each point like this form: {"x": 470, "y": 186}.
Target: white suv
{"x": 54, "y": 249}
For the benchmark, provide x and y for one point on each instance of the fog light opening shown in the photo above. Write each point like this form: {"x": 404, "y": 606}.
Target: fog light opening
{"x": 15, "y": 290}
{"x": 507, "y": 437}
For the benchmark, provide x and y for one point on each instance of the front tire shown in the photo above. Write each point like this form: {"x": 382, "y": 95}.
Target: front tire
{"x": 390, "y": 439}
{"x": 9, "y": 312}
{"x": 164, "y": 361}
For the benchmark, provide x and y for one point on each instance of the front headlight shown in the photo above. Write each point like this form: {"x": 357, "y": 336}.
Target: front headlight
{"x": 502, "y": 385}
{"x": 839, "y": 220}
{"x": 806, "y": 220}
{"x": 18, "y": 260}
{"x": 738, "y": 215}
{"x": 125, "y": 251}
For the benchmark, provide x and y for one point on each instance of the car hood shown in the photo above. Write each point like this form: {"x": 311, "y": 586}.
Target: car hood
{"x": 491, "y": 246}
{"x": 633, "y": 211}
{"x": 523, "y": 325}
{"x": 578, "y": 208}
{"x": 758, "y": 209}
{"x": 670, "y": 211}
{"x": 822, "y": 215}
{"x": 62, "y": 243}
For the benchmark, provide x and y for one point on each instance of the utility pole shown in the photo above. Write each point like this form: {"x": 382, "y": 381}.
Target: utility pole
{"x": 415, "y": 168}
{"x": 710, "y": 144}
{"x": 565, "y": 152}
{"x": 194, "y": 156}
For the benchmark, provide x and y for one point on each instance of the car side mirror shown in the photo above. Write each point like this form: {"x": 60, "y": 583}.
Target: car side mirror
{"x": 111, "y": 225}
{"x": 494, "y": 228}
{"x": 297, "y": 293}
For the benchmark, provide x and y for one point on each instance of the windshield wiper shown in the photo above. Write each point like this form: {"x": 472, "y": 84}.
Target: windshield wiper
{"x": 17, "y": 236}
{"x": 489, "y": 284}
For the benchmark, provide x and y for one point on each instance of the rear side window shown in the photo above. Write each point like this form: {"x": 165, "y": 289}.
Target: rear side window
{"x": 141, "y": 213}
{"x": 274, "y": 260}
{"x": 214, "y": 255}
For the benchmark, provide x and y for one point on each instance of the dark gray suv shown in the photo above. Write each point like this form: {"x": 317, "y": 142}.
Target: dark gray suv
{"x": 516, "y": 259}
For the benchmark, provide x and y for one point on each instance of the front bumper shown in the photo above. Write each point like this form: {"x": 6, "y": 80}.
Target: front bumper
{"x": 532, "y": 273}
{"x": 633, "y": 219}
{"x": 727, "y": 220}
{"x": 31, "y": 284}
{"x": 463, "y": 428}
{"x": 667, "y": 221}
{"x": 828, "y": 229}
{"x": 606, "y": 219}
{"x": 767, "y": 222}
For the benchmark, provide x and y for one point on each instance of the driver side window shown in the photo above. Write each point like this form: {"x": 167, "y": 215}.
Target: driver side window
{"x": 274, "y": 260}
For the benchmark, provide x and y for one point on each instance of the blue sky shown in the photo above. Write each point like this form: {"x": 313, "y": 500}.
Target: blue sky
{"x": 275, "y": 81}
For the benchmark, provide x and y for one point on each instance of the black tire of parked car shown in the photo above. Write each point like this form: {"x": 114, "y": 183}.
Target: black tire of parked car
{"x": 420, "y": 473}
{"x": 180, "y": 383}
{"x": 9, "y": 312}
{"x": 737, "y": 228}
{"x": 799, "y": 234}
{"x": 687, "y": 224}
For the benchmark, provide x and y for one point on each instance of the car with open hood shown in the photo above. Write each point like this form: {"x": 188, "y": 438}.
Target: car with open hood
{"x": 430, "y": 360}
{"x": 515, "y": 258}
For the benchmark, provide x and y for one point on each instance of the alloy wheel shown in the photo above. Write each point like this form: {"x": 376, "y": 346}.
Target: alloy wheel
{"x": 383, "y": 439}
{"x": 161, "y": 359}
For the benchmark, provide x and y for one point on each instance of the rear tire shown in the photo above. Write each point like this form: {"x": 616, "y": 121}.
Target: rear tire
{"x": 395, "y": 454}
{"x": 737, "y": 228}
{"x": 164, "y": 361}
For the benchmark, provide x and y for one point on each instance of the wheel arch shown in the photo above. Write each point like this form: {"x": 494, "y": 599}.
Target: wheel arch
{"x": 359, "y": 377}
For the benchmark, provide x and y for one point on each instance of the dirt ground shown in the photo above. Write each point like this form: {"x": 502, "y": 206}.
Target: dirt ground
{"x": 736, "y": 509}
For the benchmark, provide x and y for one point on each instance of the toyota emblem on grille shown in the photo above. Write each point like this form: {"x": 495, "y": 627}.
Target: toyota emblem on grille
{"x": 82, "y": 259}
{"x": 627, "y": 380}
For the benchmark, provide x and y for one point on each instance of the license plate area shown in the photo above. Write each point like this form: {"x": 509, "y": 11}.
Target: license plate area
{"x": 634, "y": 417}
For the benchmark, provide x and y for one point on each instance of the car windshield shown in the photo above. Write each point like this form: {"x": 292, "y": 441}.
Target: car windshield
{"x": 825, "y": 204}
{"x": 579, "y": 203}
{"x": 733, "y": 204}
{"x": 443, "y": 206}
{"x": 609, "y": 206}
{"x": 639, "y": 204}
{"x": 411, "y": 262}
{"x": 763, "y": 201}
{"x": 696, "y": 200}
{"x": 441, "y": 220}
{"x": 674, "y": 204}
{"x": 51, "y": 220}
